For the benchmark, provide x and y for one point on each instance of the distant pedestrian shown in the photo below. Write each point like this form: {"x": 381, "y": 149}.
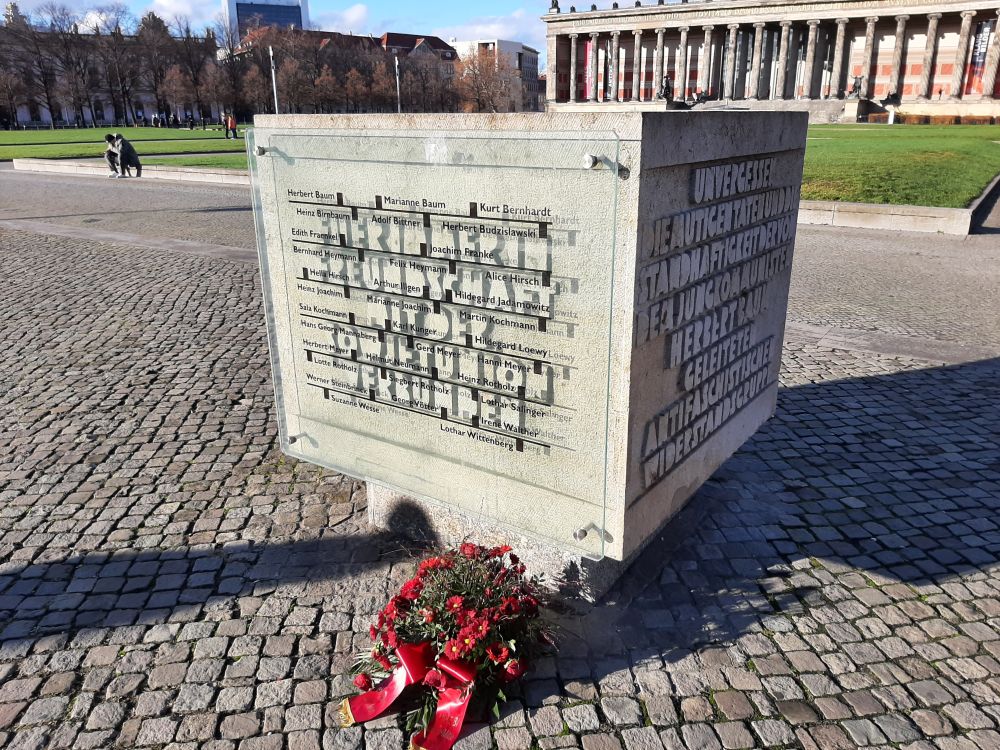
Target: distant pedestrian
{"x": 231, "y": 125}
{"x": 174, "y": 122}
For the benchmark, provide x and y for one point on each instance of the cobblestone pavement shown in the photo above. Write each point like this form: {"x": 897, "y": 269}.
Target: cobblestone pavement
{"x": 168, "y": 579}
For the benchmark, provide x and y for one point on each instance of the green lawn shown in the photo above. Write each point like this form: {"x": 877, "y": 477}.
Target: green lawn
{"x": 923, "y": 165}
{"x": 95, "y": 135}
{"x": 95, "y": 148}
{"x": 220, "y": 161}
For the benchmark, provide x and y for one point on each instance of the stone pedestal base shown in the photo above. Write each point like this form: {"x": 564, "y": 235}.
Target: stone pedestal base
{"x": 572, "y": 575}
{"x": 578, "y": 580}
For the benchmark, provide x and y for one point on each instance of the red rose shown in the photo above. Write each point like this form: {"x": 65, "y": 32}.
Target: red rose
{"x": 471, "y": 551}
{"x": 498, "y": 653}
{"x": 363, "y": 682}
{"x": 411, "y": 589}
{"x": 454, "y": 604}
{"x": 434, "y": 679}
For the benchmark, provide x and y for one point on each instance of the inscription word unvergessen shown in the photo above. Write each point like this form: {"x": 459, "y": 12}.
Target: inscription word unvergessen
{"x": 448, "y": 312}
{"x": 705, "y": 280}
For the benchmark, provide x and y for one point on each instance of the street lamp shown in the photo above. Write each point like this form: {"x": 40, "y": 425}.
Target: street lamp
{"x": 399, "y": 99}
{"x": 274, "y": 80}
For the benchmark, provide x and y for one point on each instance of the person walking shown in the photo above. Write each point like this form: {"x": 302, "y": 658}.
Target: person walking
{"x": 231, "y": 125}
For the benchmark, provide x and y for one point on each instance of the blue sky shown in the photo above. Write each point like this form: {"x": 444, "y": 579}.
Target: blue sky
{"x": 504, "y": 19}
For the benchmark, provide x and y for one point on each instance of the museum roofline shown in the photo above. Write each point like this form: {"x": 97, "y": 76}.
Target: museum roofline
{"x": 767, "y": 8}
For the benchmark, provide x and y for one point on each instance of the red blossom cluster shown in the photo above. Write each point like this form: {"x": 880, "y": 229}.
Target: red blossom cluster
{"x": 475, "y": 605}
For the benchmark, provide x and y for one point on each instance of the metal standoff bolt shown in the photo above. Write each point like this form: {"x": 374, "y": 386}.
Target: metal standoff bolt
{"x": 260, "y": 150}
{"x": 580, "y": 534}
{"x": 291, "y": 438}
{"x": 591, "y": 162}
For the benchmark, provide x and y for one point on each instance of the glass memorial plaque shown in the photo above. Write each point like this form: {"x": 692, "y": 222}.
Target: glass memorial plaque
{"x": 439, "y": 313}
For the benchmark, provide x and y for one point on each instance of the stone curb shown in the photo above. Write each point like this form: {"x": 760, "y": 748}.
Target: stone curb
{"x": 152, "y": 172}
{"x": 958, "y": 221}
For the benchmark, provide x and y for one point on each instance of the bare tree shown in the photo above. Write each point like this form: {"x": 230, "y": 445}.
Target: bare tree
{"x": 177, "y": 88}
{"x": 13, "y": 91}
{"x": 114, "y": 30}
{"x": 295, "y": 85}
{"x": 355, "y": 89}
{"x": 328, "y": 91}
{"x": 155, "y": 49}
{"x": 230, "y": 63}
{"x": 483, "y": 80}
{"x": 35, "y": 59}
{"x": 191, "y": 53}
{"x": 256, "y": 89}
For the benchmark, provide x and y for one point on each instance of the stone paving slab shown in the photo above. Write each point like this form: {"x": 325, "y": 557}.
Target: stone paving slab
{"x": 168, "y": 579}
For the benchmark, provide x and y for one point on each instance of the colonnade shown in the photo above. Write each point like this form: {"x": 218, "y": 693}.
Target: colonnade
{"x": 716, "y": 67}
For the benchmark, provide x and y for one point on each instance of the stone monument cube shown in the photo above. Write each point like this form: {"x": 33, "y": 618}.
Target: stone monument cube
{"x": 544, "y": 330}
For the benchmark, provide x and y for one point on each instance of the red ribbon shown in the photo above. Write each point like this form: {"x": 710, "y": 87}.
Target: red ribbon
{"x": 414, "y": 661}
{"x": 453, "y": 702}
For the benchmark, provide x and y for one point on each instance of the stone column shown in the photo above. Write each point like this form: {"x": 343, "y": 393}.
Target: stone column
{"x": 866, "y": 58}
{"x": 758, "y": 48}
{"x": 658, "y": 61}
{"x": 958, "y": 70}
{"x": 807, "y": 90}
{"x": 926, "y": 79}
{"x": 592, "y": 73}
{"x": 705, "y": 61}
{"x": 838, "y": 61}
{"x": 992, "y": 59}
{"x": 552, "y": 44}
{"x": 572, "y": 67}
{"x": 613, "y": 83}
{"x": 682, "y": 66}
{"x": 729, "y": 83}
{"x": 637, "y": 66}
{"x": 779, "y": 83}
{"x": 897, "y": 55}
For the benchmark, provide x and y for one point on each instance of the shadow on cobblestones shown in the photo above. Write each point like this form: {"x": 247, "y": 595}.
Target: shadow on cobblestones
{"x": 859, "y": 493}
{"x": 131, "y": 587}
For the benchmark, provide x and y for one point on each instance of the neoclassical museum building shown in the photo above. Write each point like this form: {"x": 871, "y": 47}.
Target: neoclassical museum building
{"x": 834, "y": 58}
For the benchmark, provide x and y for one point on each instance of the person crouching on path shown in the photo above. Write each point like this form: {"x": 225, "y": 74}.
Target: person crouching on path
{"x": 111, "y": 155}
{"x": 127, "y": 157}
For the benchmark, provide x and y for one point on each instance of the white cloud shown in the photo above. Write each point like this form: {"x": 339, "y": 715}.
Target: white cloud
{"x": 354, "y": 19}
{"x": 201, "y": 14}
{"x": 519, "y": 26}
